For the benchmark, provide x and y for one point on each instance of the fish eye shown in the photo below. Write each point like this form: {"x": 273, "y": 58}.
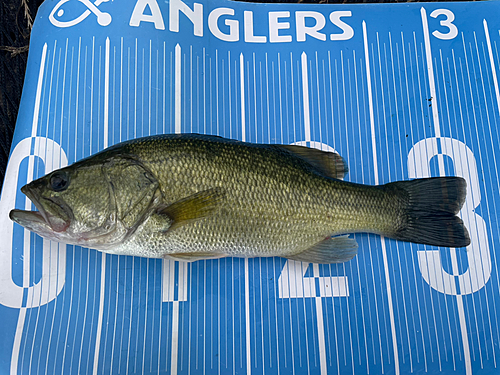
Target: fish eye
{"x": 59, "y": 181}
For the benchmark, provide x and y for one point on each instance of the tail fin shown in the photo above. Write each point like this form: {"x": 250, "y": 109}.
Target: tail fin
{"x": 430, "y": 213}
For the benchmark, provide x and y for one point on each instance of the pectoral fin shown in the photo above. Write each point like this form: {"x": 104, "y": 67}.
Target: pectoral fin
{"x": 194, "y": 207}
{"x": 193, "y": 257}
{"x": 332, "y": 250}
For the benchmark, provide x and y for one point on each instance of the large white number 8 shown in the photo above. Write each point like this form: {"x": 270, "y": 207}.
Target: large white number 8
{"x": 478, "y": 253}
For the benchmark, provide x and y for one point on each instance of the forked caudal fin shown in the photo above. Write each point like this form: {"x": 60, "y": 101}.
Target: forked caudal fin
{"x": 430, "y": 213}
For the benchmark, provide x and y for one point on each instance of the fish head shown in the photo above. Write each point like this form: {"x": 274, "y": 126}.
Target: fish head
{"x": 95, "y": 203}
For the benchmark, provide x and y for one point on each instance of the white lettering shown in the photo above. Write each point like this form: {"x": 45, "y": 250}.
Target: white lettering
{"x": 155, "y": 16}
{"x": 213, "y": 19}
{"x": 195, "y": 16}
{"x": 275, "y": 27}
{"x": 248, "y": 22}
{"x": 347, "y": 31}
{"x": 308, "y": 23}
{"x": 448, "y": 22}
{"x": 303, "y": 30}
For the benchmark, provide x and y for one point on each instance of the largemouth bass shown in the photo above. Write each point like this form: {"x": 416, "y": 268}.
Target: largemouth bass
{"x": 191, "y": 197}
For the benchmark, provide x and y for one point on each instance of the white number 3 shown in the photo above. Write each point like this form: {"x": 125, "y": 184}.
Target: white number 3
{"x": 478, "y": 270}
{"x": 450, "y": 17}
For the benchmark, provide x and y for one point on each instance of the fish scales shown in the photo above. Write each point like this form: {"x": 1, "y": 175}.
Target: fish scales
{"x": 273, "y": 204}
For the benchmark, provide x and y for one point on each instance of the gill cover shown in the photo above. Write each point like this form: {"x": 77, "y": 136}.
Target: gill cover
{"x": 134, "y": 190}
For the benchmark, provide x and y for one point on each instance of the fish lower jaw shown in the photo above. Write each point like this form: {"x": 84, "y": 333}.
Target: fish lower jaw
{"x": 40, "y": 224}
{"x": 32, "y": 220}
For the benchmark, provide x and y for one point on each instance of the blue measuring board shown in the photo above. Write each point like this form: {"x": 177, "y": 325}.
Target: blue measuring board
{"x": 399, "y": 90}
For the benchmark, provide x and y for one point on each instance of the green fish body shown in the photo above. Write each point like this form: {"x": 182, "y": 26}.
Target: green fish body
{"x": 193, "y": 197}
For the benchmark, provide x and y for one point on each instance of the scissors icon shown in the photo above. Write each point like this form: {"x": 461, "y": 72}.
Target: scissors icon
{"x": 103, "y": 19}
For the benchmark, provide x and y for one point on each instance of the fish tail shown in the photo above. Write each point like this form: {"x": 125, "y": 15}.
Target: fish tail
{"x": 429, "y": 211}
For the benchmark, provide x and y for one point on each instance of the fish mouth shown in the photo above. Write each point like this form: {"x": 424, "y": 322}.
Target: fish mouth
{"x": 51, "y": 216}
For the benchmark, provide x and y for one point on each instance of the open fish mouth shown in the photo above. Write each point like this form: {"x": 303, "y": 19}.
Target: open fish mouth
{"x": 50, "y": 217}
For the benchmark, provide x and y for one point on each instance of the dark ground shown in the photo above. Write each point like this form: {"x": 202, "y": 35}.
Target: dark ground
{"x": 15, "y": 26}
{"x": 15, "y": 29}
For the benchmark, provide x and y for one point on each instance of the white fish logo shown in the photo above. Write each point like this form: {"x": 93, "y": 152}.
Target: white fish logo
{"x": 103, "y": 18}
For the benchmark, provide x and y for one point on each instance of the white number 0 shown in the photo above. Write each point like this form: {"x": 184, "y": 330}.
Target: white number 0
{"x": 53, "y": 254}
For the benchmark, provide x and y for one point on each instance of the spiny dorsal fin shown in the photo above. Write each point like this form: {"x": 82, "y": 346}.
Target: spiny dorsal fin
{"x": 194, "y": 207}
{"x": 330, "y": 164}
{"x": 332, "y": 250}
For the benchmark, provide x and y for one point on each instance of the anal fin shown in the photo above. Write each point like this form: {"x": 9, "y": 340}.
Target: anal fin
{"x": 193, "y": 257}
{"x": 332, "y": 250}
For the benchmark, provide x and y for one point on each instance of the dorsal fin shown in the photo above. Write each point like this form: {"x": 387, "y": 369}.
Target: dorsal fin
{"x": 330, "y": 164}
